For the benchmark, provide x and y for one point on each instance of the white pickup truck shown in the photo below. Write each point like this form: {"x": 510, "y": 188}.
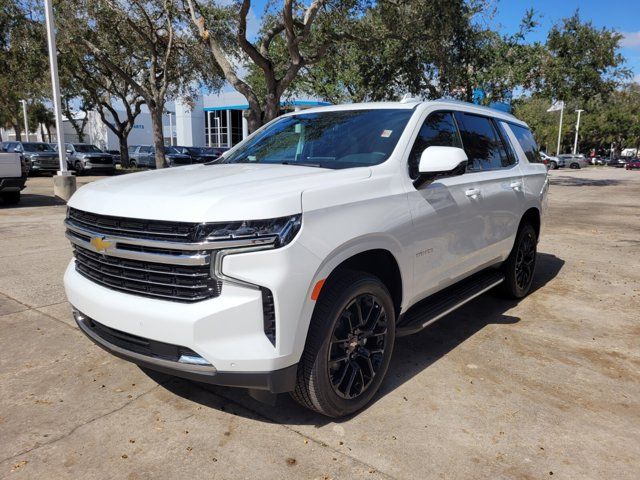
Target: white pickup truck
{"x": 13, "y": 176}
{"x": 293, "y": 263}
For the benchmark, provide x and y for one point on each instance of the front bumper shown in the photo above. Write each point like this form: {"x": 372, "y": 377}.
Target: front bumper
{"x": 99, "y": 166}
{"x": 12, "y": 184}
{"x": 156, "y": 358}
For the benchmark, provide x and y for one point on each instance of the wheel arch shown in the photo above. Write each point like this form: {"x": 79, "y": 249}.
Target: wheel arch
{"x": 532, "y": 216}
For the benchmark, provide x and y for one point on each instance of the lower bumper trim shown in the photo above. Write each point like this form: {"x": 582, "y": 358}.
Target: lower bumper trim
{"x": 276, "y": 381}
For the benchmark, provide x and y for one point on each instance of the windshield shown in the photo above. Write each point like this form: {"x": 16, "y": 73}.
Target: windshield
{"x": 86, "y": 148}
{"x": 37, "y": 147}
{"x": 342, "y": 139}
{"x": 171, "y": 150}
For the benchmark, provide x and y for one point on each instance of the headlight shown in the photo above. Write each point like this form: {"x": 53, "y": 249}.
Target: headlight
{"x": 271, "y": 233}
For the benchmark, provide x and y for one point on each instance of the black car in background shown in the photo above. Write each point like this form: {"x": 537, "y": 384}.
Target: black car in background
{"x": 39, "y": 156}
{"x": 145, "y": 156}
{"x": 618, "y": 162}
{"x": 202, "y": 154}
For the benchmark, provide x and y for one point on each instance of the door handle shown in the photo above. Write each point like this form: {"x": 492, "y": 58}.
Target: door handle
{"x": 472, "y": 192}
{"x": 517, "y": 185}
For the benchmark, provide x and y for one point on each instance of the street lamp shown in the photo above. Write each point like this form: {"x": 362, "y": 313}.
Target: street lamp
{"x": 170, "y": 127}
{"x": 64, "y": 183}
{"x": 575, "y": 142}
{"x": 26, "y": 122}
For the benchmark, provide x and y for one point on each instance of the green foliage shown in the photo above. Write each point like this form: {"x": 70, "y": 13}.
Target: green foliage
{"x": 23, "y": 60}
{"x": 608, "y": 120}
{"x": 581, "y": 61}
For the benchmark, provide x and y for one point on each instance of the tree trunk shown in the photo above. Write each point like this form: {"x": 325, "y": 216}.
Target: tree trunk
{"x": 48, "y": 132}
{"x": 18, "y": 131}
{"x": 158, "y": 134}
{"x": 272, "y": 109}
{"x": 124, "y": 150}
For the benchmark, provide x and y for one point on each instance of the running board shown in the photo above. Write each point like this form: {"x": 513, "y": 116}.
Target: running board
{"x": 433, "y": 308}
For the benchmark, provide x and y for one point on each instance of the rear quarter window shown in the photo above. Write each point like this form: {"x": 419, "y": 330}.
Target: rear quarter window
{"x": 527, "y": 142}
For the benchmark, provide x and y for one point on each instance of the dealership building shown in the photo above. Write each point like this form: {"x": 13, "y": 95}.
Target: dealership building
{"x": 213, "y": 120}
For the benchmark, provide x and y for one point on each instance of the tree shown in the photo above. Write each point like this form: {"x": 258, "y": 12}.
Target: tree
{"x": 306, "y": 29}
{"x": 581, "y": 61}
{"x": 23, "y": 53}
{"x": 42, "y": 116}
{"x": 141, "y": 43}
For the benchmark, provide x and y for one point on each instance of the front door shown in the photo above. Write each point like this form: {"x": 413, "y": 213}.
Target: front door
{"x": 448, "y": 216}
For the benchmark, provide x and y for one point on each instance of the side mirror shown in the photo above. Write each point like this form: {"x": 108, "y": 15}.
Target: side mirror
{"x": 443, "y": 161}
{"x": 69, "y": 150}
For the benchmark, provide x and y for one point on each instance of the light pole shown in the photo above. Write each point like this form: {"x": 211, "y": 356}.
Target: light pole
{"x": 64, "y": 183}
{"x": 170, "y": 127}
{"x": 575, "y": 142}
{"x": 26, "y": 122}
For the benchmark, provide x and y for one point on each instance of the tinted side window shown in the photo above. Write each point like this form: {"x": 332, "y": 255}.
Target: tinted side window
{"x": 439, "y": 129}
{"x": 145, "y": 149}
{"x": 527, "y": 142}
{"x": 481, "y": 142}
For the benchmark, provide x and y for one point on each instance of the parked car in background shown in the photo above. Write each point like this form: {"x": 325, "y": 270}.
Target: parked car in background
{"x": 633, "y": 164}
{"x": 13, "y": 176}
{"x": 202, "y": 154}
{"x": 55, "y": 147}
{"x": 39, "y": 156}
{"x": 573, "y": 161}
{"x": 617, "y": 162}
{"x": 551, "y": 162}
{"x": 85, "y": 158}
{"x": 115, "y": 154}
{"x": 145, "y": 156}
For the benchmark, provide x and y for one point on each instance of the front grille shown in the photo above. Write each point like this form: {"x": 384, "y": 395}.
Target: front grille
{"x": 187, "y": 283}
{"x": 101, "y": 160}
{"x": 132, "y": 227}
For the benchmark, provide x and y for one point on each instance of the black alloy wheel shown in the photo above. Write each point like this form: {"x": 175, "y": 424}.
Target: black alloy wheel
{"x": 358, "y": 343}
{"x": 519, "y": 268}
{"x": 525, "y": 260}
{"x": 349, "y": 344}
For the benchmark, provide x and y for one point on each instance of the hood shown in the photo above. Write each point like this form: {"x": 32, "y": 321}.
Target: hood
{"x": 42, "y": 154}
{"x": 208, "y": 193}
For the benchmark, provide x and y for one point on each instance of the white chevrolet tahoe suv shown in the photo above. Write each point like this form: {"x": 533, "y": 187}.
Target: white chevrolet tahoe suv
{"x": 292, "y": 265}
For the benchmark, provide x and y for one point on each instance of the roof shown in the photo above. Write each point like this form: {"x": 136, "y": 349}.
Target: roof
{"x": 413, "y": 104}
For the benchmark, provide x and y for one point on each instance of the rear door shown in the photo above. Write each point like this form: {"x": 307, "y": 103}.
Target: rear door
{"x": 495, "y": 175}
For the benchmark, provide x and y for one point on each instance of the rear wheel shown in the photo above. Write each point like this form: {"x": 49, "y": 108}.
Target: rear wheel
{"x": 554, "y": 165}
{"x": 575, "y": 166}
{"x": 78, "y": 167}
{"x": 520, "y": 266}
{"x": 11, "y": 198}
{"x": 348, "y": 346}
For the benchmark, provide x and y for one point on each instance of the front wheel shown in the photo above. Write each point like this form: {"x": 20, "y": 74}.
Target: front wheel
{"x": 575, "y": 166}
{"x": 348, "y": 346}
{"x": 519, "y": 268}
{"x": 554, "y": 165}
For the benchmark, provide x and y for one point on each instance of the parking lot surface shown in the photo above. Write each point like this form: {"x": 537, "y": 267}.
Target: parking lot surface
{"x": 549, "y": 386}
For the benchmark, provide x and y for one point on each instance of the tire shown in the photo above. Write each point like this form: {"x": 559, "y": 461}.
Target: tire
{"x": 345, "y": 385}
{"x": 10, "y": 198}
{"x": 519, "y": 268}
{"x": 574, "y": 166}
{"x": 554, "y": 165}
{"x": 133, "y": 164}
{"x": 78, "y": 167}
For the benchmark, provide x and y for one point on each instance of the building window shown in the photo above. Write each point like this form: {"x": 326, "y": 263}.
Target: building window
{"x": 222, "y": 128}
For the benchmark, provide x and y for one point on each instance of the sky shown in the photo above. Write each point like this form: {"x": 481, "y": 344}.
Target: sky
{"x": 620, "y": 15}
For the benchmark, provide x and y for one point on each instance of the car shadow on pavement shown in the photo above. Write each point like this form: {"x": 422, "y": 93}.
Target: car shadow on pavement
{"x": 583, "y": 182}
{"x": 412, "y": 355}
{"x": 28, "y": 200}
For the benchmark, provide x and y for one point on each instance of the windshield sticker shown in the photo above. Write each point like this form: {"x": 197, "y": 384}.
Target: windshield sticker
{"x": 386, "y": 133}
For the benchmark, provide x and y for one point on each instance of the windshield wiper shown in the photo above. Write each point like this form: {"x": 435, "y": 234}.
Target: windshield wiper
{"x": 302, "y": 164}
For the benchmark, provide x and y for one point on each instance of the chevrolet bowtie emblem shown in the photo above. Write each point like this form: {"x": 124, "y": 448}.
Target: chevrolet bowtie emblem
{"x": 100, "y": 244}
